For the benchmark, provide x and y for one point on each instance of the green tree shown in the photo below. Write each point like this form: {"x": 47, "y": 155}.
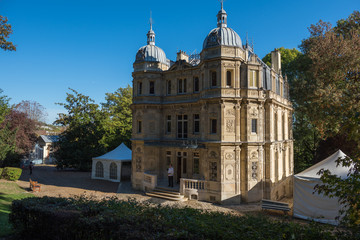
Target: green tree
{"x": 287, "y": 58}
{"x": 5, "y": 31}
{"x": 329, "y": 96}
{"x": 84, "y": 129}
{"x": 118, "y": 124}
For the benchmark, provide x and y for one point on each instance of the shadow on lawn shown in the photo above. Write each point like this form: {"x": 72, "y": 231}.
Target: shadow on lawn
{"x": 49, "y": 175}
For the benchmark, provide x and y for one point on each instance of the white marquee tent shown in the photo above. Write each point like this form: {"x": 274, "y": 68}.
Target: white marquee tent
{"x": 314, "y": 206}
{"x": 109, "y": 165}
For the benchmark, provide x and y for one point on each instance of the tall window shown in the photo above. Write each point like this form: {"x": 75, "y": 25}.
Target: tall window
{"x": 168, "y": 124}
{"x": 139, "y": 126}
{"x": 213, "y": 126}
{"x": 196, "y": 161}
{"x": 169, "y": 87}
{"x": 253, "y": 78}
{"x": 182, "y": 85}
{"x": 152, "y": 87}
{"x": 254, "y": 125}
{"x": 196, "y": 84}
{"x": 182, "y": 126}
{"x": 139, "y": 88}
{"x": 99, "y": 170}
{"x": 228, "y": 78}
{"x": 213, "y": 79}
{"x": 113, "y": 171}
{"x": 196, "y": 123}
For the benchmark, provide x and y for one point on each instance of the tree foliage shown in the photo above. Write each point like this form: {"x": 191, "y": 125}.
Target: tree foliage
{"x": 328, "y": 94}
{"x": 80, "y": 141}
{"x": 118, "y": 124}
{"x": 5, "y": 31}
{"x": 17, "y": 133}
{"x": 287, "y": 58}
{"x": 34, "y": 110}
{"x": 91, "y": 130}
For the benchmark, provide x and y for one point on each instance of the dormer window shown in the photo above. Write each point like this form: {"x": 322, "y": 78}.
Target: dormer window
{"x": 253, "y": 79}
{"x": 182, "y": 85}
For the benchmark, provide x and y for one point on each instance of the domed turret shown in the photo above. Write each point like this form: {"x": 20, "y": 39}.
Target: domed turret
{"x": 150, "y": 52}
{"x": 222, "y": 35}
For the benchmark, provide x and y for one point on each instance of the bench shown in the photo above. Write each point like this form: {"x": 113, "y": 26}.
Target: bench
{"x": 34, "y": 186}
{"x": 274, "y": 205}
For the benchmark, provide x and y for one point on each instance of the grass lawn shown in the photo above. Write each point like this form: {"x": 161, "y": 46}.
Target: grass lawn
{"x": 9, "y": 191}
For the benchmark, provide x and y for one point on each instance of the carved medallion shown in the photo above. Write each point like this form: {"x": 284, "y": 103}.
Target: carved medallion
{"x": 229, "y": 156}
{"x": 230, "y": 112}
{"x": 230, "y": 125}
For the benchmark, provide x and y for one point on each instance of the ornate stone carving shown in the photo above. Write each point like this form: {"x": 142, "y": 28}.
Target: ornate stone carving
{"x": 212, "y": 154}
{"x": 229, "y": 172}
{"x": 230, "y": 112}
{"x": 138, "y": 150}
{"x": 229, "y": 92}
{"x": 229, "y": 156}
{"x": 254, "y": 171}
{"x": 213, "y": 171}
{"x": 253, "y": 112}
{"x": 138, "y": 164}
{"x": 254, "y": 155}
{"x": 230, "y": 125}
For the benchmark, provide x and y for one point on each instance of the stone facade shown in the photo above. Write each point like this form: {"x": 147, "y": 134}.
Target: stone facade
{"x": 224, "y": 122}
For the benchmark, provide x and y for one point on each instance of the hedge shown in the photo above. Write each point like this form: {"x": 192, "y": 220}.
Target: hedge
{"x": 11, "y": 173}
{"x": 81, "y": 218}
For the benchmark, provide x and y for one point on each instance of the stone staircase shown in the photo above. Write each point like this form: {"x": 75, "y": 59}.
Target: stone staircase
{"x": 167, "y": 194}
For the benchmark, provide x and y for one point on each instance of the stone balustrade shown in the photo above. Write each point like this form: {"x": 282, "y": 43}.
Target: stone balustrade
{"x": 193, "y": 188}
{"x": 149, "y": 181}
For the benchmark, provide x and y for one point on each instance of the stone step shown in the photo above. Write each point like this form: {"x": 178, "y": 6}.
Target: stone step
{"x": 167, "y": 190}
{"x": 168, "y": 194}
{"x": 154, "y": 194}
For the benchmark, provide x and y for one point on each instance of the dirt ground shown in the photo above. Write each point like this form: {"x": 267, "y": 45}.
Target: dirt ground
{"x": 67, "y": 183}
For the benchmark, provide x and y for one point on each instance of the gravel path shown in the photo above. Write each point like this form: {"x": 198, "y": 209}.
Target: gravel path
{"x": 67, "y": 183}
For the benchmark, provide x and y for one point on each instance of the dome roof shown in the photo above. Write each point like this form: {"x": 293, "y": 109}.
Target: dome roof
{"x": 151, "y": 53}
{"x": 222, "y": 36}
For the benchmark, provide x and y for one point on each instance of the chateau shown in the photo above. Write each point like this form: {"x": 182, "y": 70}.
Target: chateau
{"x": 223, "y": 119}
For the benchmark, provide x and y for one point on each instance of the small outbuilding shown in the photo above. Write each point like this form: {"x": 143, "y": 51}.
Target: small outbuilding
{"x": 313, "y": 206}
{"x": 113, "y": 166}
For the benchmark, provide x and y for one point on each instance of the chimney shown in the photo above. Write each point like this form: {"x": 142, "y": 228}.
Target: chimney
{"x": 181, "y": 55}
{"x": 276, "y": 60}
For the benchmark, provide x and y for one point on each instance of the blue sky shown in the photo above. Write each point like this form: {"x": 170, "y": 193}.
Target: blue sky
{"x": 90, "y": 46}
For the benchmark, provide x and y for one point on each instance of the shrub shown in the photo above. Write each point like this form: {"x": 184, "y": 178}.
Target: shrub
{"x": 12, "y": 173}
{"x": 1, "y": 171}
{"x": 83, "y": 218}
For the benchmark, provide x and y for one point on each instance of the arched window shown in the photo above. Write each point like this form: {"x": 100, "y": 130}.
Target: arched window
{"x": 228, "y": 78}
{"x": 113, "y": 171}
{"x": 99, "y": 170}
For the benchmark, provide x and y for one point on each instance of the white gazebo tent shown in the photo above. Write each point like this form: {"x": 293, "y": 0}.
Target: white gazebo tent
{"x": 313, "y": 206}
{"x": 108, "y": 166}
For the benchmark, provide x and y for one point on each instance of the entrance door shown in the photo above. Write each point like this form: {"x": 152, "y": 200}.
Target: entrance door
{"x": 178, "y": 169}
{"x": 181, "y": 165}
